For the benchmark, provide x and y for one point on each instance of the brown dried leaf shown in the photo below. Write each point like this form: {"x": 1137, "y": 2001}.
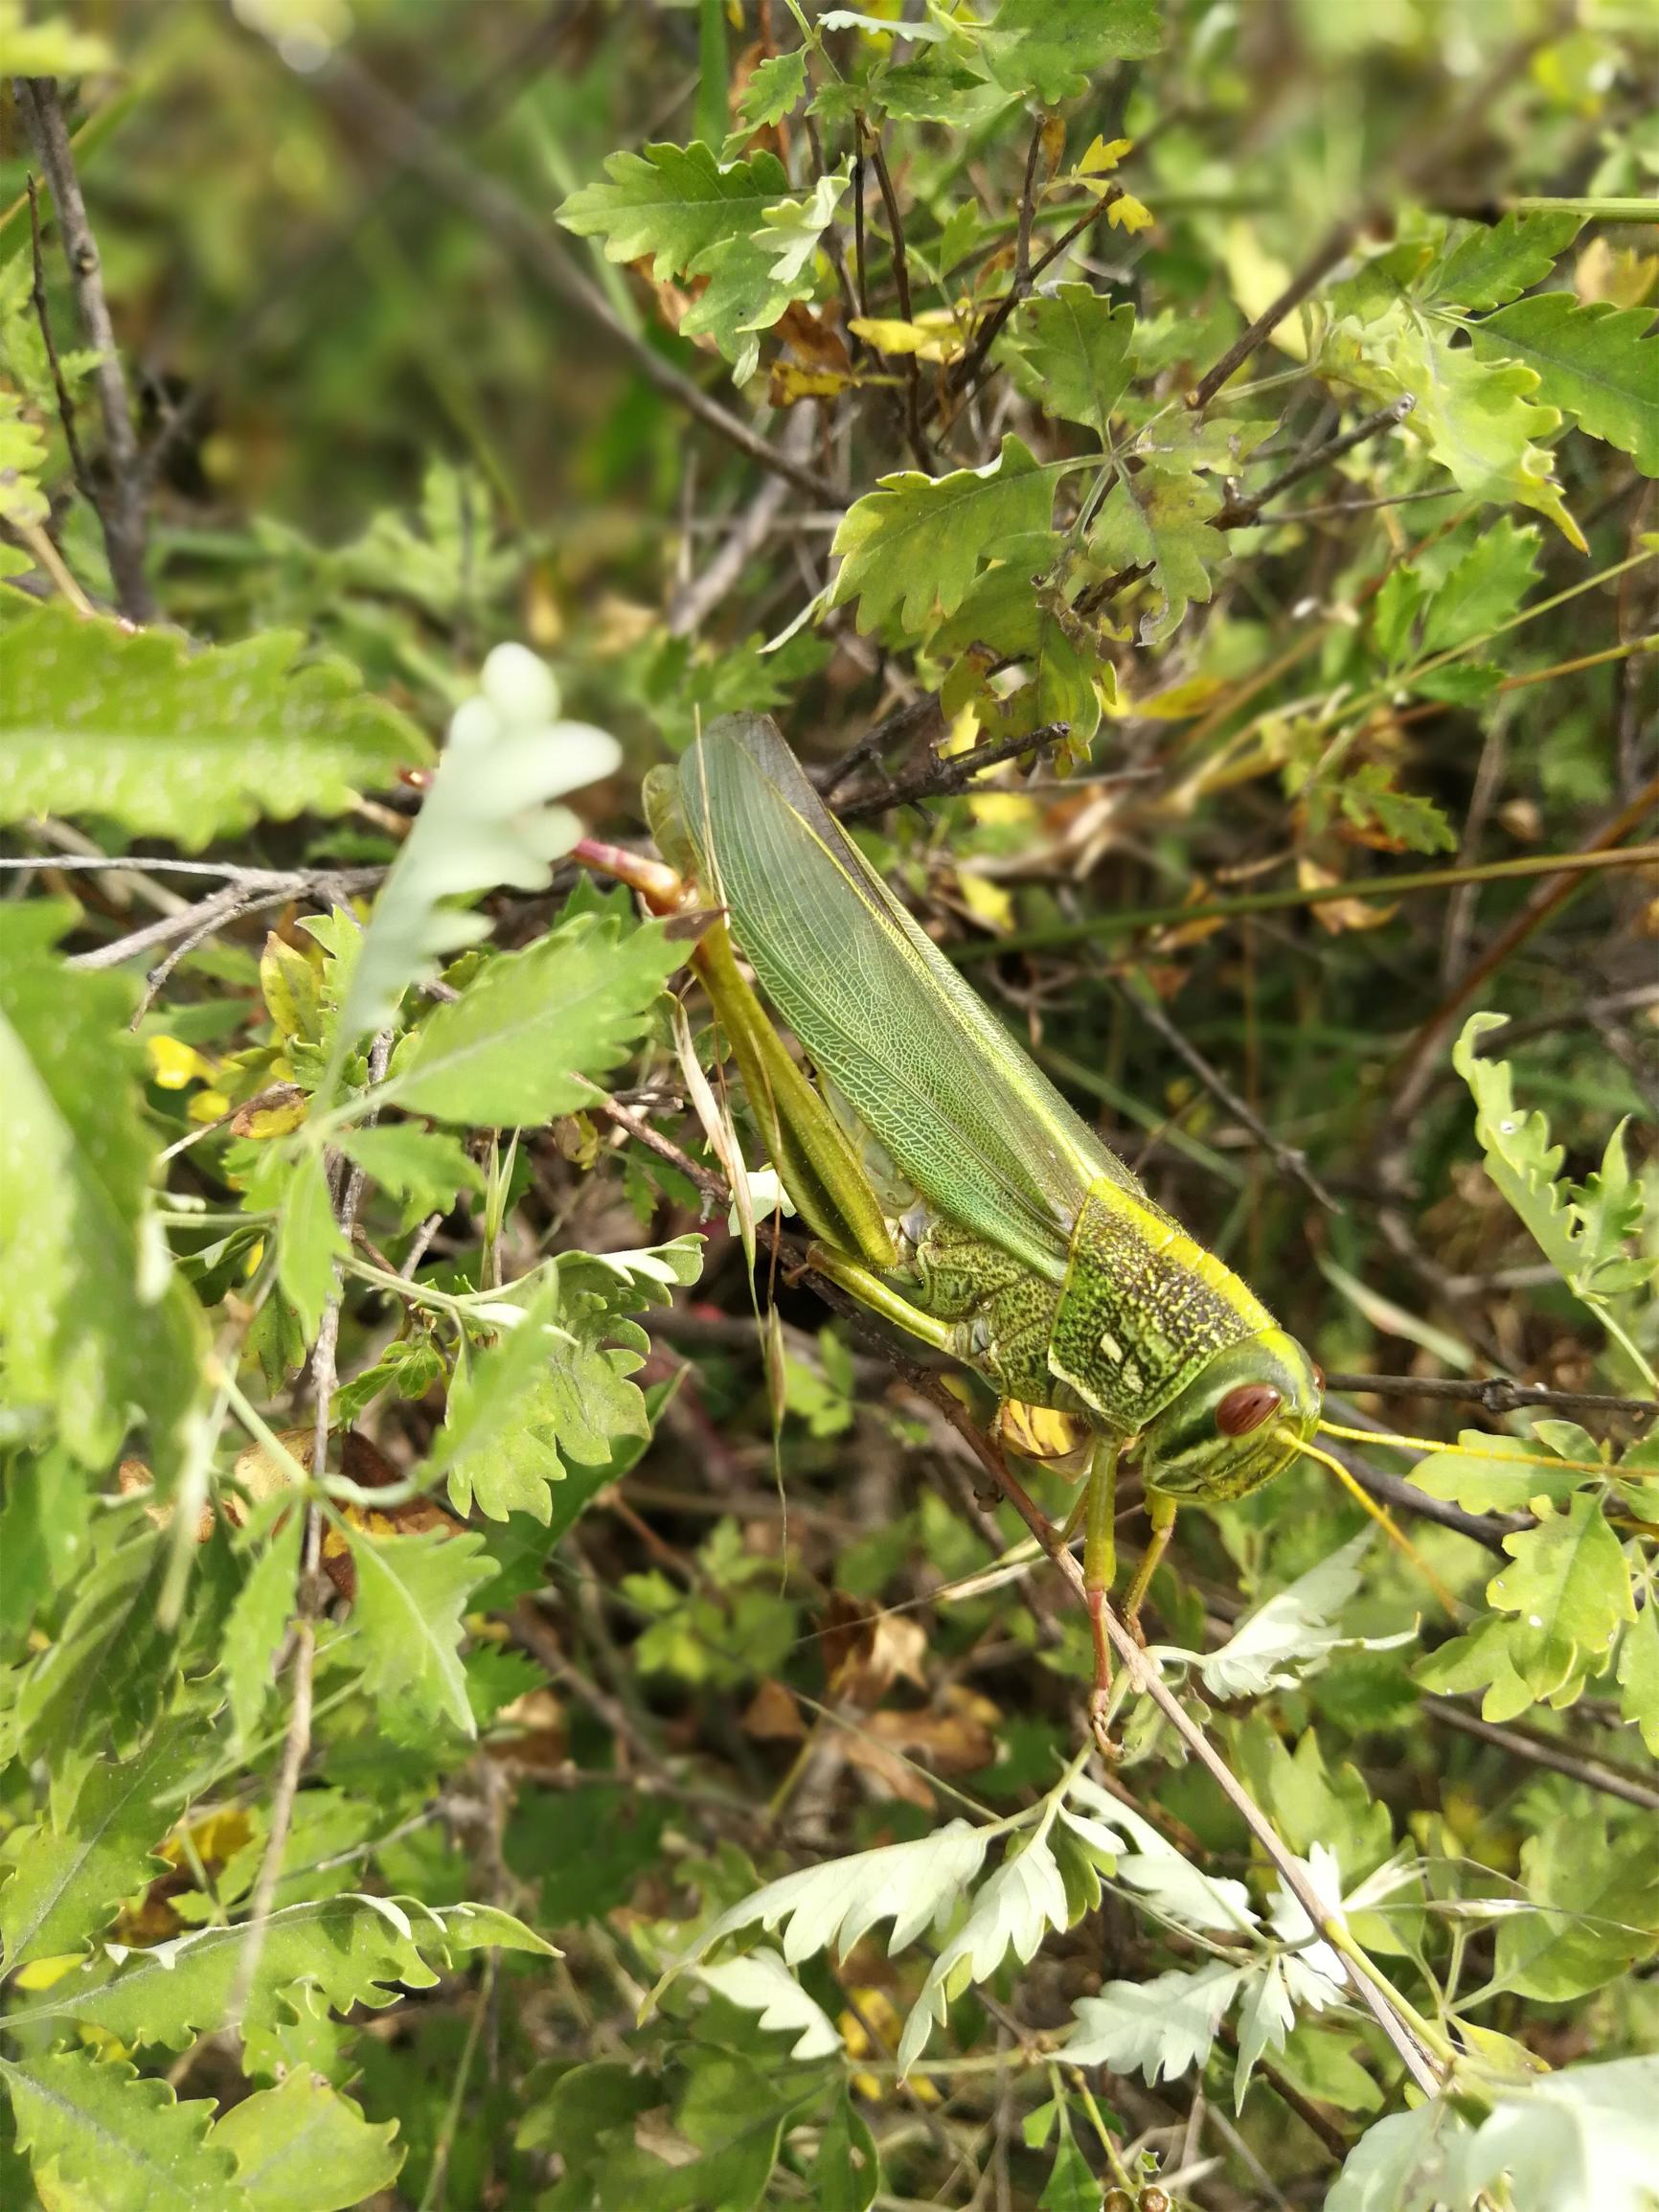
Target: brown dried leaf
{"x": 773, "y": 1717}
{"x": 812, "y": 334}
{"x": 1339, "y": 915}
{"x": 866, "y": 1649}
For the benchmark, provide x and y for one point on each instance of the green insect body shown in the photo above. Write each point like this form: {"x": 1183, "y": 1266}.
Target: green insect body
{"x": 948, "y": 1185}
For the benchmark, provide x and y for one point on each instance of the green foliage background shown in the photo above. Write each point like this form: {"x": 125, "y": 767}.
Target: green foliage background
{"x": 451, "y": 1594}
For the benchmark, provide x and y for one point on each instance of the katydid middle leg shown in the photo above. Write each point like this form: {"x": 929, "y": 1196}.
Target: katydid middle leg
{"x": 1161, "y": 1513}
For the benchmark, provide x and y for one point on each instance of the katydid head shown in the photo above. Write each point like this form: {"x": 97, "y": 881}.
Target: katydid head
{"x": 1237, "y": 1422}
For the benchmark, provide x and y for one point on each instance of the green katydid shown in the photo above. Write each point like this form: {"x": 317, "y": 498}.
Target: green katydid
{"x": 949, "y": 1186}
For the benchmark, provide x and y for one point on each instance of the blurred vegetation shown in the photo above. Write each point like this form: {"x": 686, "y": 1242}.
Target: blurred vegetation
{"x": 447, "y": 1581}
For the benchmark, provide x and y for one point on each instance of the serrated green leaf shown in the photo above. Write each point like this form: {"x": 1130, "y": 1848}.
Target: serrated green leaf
{"x": 1159, "y": 2028}
{"x": 1070, "y": 2185}
{"x": 412, "y": 1591}
{"x": 302, "y": 2146}
{"x": 529, "y": 1035}
{"x": 1460, "y": 683}
{"x": 1296, "y": 1625}
{"x": 1639, "y": 1674}
{"x": 1485, "y": 587}
{"x": 102, "y": 1679}
{"x": 674, "y": 203}
{"x": 1569, "y": 1589}
{"x": 939, "y": 85}
{"x": 94, "y": 1318}
{"x": 23, "y": 455}
{"x": 134, "y": 728}
{"x": 750, "y": 279}
{"x": 834, "y": 1906}
{"x": 1611, "y": 1208}
{"x": 1408, "y": 2162}
{"x": 427, "y": 1168}
{"x": 121, "y": 2142}
{"x": 352, "y": 1950}
{"x": 1480, "y": 421}
{"x": 1163, "y": 523}
{"x": 1369, "y": 799}
{"x": 776, "y": 84}
{"x": 1520, "y": 1159}
{"x": 68, "y": 1879}
{"x": 308, "y": 1240}
{"x": 1483, "y": 265}
{"x": 759, "y": 1982}
{"x": 551, "y": 1391}
{"x": 1055, "y": 48}
{"x": 914, "y": 544}
{"x": 1070, "y": 350}
{"x": 1012, "y": 1912}
{"x": 1480, "y": 1659}
{"x": 256, "y": 1624}
{"x": 43, "y": 1537}
{"x": 1494, "y": 1473}
{"x": 1599, "y": 364}
{"x": 1597, "y": 1912}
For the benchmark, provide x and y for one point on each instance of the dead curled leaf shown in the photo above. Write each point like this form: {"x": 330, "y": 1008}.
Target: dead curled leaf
{"x": 1338, "y": 915}
{"x": 773, "y": 1716}
{"x": 866, "y": 1649}
{"x": 956, "y": 1737}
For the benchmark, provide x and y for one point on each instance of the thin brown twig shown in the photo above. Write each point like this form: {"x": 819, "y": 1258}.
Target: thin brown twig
{"x": 1494, "y": 1394}
{"x": 307, "y": 1596}
{"x": 250, "y": 890}
{"x": 944, "y": 775}
{"x": 119, "y": 509}
{"x": 1243, "y": 514}
{"x": 901, "y": 286}
{"x": 59, "y": 382}
{"x": 1027, "y": 211}
{"x": 968, "y": 370}
{"x": 1318, "y": 265}
{"x": 1293, "y": 1161}
{"x": 1612, "y": 1781}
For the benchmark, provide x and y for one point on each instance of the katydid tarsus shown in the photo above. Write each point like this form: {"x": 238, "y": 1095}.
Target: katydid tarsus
{"x": 948, "y": 1185}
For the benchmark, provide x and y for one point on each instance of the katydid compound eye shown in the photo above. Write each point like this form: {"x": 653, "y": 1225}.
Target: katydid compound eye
{"x": 1246, "y": 1408}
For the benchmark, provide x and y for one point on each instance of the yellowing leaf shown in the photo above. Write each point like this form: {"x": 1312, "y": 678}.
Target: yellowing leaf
{"x": 1127, "y": 212}
{"x": 1002, "y": 806}
{"x": 791, "y": 383}
{"x": 934, "y": 337}
{"x": 174, "y": 1066}
{"x": 1101, "y": 157}
{"x": 986, "y": 902}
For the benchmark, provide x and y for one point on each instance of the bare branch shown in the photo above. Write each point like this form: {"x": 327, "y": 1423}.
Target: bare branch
{"x": 121, "y": 504}
{"x": 1491, "y": 1393}
{"x": 1287, "y": 1157}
